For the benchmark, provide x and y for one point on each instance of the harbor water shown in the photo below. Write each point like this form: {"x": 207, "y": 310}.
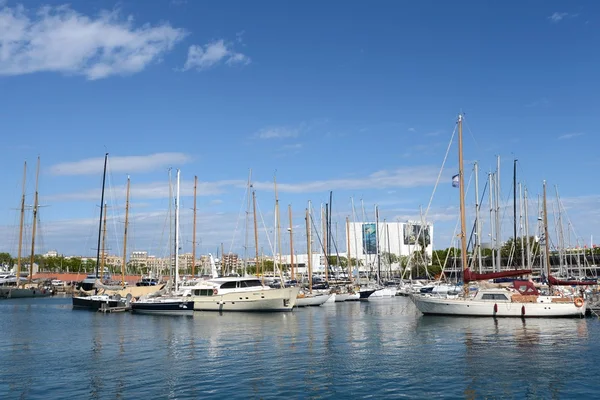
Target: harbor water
{"x": 376, "y": 349}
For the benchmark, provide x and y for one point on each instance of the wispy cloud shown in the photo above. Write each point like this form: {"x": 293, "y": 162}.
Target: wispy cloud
{"x": 398, "y": 178}
{"x": 570, "y": 135}
{"x": 152, "y": 190}
{"x": 59, "y": 39}
{"x": 123, "y": 164}
{"x": 277, "y": 133}
{"x": 213, "y": 53}
{"x": 559, "y": 16}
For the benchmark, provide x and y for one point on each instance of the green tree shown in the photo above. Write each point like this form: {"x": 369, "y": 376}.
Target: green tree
{"x": 6, "y": 258}
{"x": 507, "y": 249}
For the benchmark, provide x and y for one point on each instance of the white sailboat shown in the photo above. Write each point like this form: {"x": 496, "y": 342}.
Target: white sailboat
{"x": 523, "y": 302}
{"x": 170, "y": 303}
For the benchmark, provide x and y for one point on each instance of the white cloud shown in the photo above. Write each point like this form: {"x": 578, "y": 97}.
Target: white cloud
{"x": 209, "y": 55}
{"x": 570, "y": 135}
{"x": 559, "y": 16}
{"x": 153, "y": 190}
{"x": 59, "y": 39}
{"x": 277, "y": 133}
{"x": 125, "y": 164}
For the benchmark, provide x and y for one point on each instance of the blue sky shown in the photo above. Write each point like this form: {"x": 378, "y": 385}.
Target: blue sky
{"x": 359, "y": 98}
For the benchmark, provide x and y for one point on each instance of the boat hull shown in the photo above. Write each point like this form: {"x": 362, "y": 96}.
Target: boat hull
{"x": 182, "y": 308}
{"x": 312, "y": 300}
{"x": 94, "y": 303}
{"x": 21, "y": 293}
{"x": 261, "y": 300}
{"x": 478, "y": 308}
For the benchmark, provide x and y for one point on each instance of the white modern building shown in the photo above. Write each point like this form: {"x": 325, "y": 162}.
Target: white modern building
{"x": 399, "y": 238}
{"x": 369, "y": 239}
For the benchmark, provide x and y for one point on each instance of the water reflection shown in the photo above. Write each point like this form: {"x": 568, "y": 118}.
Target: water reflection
{"x": 503, "y": 357}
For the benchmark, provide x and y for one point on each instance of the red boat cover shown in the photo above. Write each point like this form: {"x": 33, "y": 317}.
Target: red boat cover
{"x": 526, "y": 288}
{"x": 556, "y": 282}
{"x": 469, "y": 276}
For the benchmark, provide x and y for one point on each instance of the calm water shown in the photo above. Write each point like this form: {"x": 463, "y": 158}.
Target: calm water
{"x": 376, "y": 349}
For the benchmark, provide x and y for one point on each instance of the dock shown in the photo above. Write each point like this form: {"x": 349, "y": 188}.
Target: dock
{"x": 105, "y": 308}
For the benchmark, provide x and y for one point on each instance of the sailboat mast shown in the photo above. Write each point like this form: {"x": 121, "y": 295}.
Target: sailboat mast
{"x": 291, "y": 244}
{"x": 461, "y": 183}
{"x": 246, "y": 239}
{"x": 498, "y": 225}
{"x": 34, "y": 227}
{"x": 21, "y": 226}
{"x": 349, "y": 263}
{"x": 278, "y": 226}
{"x": 521, "y": 225}
{"x": 377, "y": 244}
{"x": 525, "y": 206}
{"x": 309, "y": 249}
{"x": 103, "y": 259}
{"x": 101, "y": 215}
{"x": 256, "y": 237}
{"x": 124, "y": 264}
{"x": 492, "y": 234}
{"x": 477, "y": 220}
{"x": 177, "y": 233}
{"x": 325, "y": 239}
{"x": 546, "y": 237}
{"x": 194, "y": 230}
{"x": 515, "y": 208}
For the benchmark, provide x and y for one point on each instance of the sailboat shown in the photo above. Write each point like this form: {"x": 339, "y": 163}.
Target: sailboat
{"x": 309, "y": 298}
{"x": 170, "y": 303}
{"x": 523, "y": 302}
{"x": 96, "y": 301}
{"x": 13, "y": 287}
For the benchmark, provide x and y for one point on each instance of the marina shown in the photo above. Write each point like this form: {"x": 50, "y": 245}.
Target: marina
{"x": 341, "y": 200}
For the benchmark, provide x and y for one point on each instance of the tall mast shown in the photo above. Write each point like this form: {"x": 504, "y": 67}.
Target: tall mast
{"x": 101, "y": 215}
{"x": 546, "y": 237}
{"x": 21, "y": 226}
{"x": 291, "y": 243}
{"x": 355, "y": 239}
{"x": 103, "y": 259}
{"x": 349, "y": 264}
{"x": 525, "y": 206}
{"x": 194, "y": 230}
{"x": 521, "y": 225}
{"x": 329, "y": 234}
{"x": 498, "y": 225}
{"x": 461, "y": 183}
{"x": 377, "y": 244}
{"x": 477, "y": 220}
{"x": 515, "y": 207}
{"x": 124, "y": 265}
{"x": 222, "y": 260}
{"x": 256, "y": 237}
{"x": 492, "y": 233}
{"x": 177, "y": 233}
{"x": 34, "y": 227}
{"x": 278, "y": 227}
{"x": 248, "y": 205}
{"x": 309, "y": 248}
{"x": 325, "y": 235}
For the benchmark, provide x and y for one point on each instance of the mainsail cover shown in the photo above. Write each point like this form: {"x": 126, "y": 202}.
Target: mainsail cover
{"x": 470, "y": 276}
